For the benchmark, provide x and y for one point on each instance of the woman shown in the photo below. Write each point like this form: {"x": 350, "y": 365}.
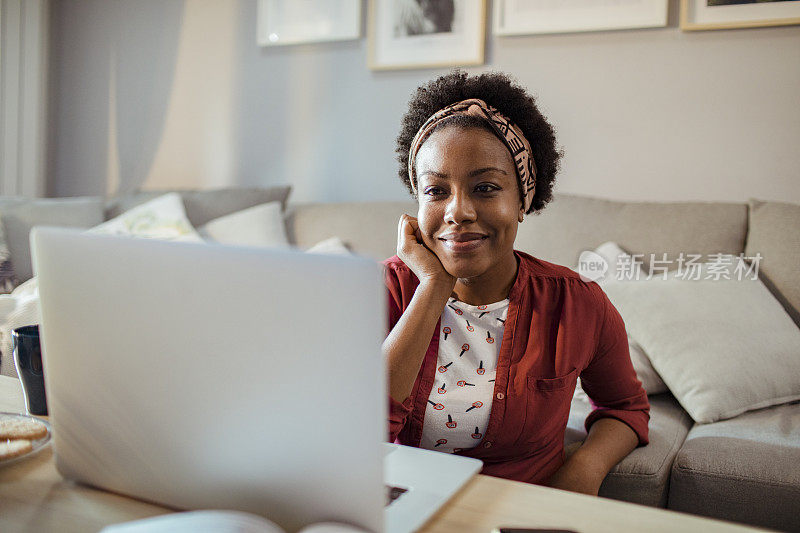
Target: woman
{"x": 486, "y": 343}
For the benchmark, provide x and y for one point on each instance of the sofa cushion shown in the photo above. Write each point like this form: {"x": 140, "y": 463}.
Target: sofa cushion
{"x": 722, "y": 346}
{"x": 643, "y": 476}
{"x": 19, "y": 218}
{"x": 572, "y": 224}
{"x": 205, "y": 205}
{"x": 619, "y": 266}
{"x": 162, "y": 218}
{"x": 774, "y": 232}
{"x": 261, "y": 226}
{"x": 743, "y": 469}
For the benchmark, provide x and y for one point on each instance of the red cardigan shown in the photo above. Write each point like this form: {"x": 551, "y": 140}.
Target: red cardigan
{"x": 558, "y": 328}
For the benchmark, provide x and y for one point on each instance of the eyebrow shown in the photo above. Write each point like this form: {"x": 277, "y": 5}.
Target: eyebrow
{"x": 476, "y": 172}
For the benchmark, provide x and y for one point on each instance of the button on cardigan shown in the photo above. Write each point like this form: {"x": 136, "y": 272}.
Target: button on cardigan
{"x": 558, "y": 328}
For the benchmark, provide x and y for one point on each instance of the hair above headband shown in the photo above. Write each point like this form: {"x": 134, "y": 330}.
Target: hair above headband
{"x": 506, "y": 130}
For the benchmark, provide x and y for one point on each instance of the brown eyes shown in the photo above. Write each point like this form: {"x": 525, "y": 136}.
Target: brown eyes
{"x": 483, "y": 188}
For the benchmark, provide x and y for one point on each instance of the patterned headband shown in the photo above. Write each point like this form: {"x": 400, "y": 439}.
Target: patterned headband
{"x": 508, "y": 132}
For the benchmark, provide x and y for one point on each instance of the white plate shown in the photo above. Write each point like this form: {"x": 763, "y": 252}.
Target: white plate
{"x": 38, "y": 444}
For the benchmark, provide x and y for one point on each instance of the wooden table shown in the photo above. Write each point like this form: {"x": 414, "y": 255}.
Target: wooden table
{"x": 34, "y": 497}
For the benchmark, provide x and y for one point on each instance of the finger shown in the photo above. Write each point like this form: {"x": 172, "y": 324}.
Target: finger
{"x": 405, "y": 235}
{"x": 400, "y": 225}
{"x": 410, "y": 227}
{"x": 402, "y": 230}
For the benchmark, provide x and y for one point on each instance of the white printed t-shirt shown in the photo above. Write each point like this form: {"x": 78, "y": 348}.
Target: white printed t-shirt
{"x": 461, "y": 399}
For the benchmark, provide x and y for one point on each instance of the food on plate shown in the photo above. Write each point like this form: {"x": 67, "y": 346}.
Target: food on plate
{"x": 12, "y": 427}
{"x": 14, "y": 448}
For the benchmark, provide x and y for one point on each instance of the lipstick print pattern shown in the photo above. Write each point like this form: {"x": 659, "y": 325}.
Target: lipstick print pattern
{"x": 461, "y": 398}
{"x": 436, "y": 406}
{"x": 474, "y": 405}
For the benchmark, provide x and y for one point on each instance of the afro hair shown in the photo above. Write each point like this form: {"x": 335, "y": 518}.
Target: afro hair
{"x": 500, "y": 92}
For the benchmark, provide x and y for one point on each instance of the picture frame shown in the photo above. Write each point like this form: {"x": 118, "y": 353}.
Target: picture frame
{"x": 287, "y": 22}
{"x": 527, "y": 17}
{"x": 698, "y": 15}
{"x": 403, "y": 35}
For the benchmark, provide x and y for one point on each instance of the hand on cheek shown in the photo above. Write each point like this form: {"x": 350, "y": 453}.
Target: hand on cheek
{"x": 414, "y": 250}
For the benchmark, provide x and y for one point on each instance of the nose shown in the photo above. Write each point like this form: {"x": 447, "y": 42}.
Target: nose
{"x": 460, "y": 209}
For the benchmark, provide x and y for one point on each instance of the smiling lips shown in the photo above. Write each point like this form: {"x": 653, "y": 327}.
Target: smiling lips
{"x": 463, "y": 242}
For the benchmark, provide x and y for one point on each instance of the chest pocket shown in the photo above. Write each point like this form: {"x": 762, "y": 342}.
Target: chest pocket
{"x": 547, "y": 406}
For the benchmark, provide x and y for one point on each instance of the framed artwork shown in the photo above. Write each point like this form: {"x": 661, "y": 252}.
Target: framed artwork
{"x": 730, "y": 14}
{"x": 282, "y": 22}
{"x": 525, "y": 17}
{"x": 406, "y": 34}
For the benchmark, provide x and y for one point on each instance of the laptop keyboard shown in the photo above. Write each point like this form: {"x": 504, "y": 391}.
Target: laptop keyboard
{"x": 392, "y": 493}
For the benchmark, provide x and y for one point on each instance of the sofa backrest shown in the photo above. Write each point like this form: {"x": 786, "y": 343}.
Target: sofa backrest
{"x": 572, "y": 224}
{"x": 368, "y": 229}
{"x": 773, "y": 231}
{"x": 565, "y": 228}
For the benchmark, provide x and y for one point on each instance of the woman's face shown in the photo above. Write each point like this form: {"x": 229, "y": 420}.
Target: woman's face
{"x": 469, "y": 201}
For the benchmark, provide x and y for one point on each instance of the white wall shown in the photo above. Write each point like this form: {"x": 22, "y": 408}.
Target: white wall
{"x": 176, "y": 93}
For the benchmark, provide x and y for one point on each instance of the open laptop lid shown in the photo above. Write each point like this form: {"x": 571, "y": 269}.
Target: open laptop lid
{"x": 205, "y": 376}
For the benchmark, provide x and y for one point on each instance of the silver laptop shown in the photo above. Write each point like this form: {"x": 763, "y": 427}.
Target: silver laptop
{"x": 206, "y": 376}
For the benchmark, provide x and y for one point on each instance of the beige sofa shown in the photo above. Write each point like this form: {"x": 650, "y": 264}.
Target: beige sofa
{"x": 743, "y": 469}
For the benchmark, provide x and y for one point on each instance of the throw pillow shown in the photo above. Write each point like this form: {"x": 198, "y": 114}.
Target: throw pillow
{"x": 722, "y": 346}
{"x": 608, "y": 263}
{"x": 261, "y": 225}
{"x": 19, "y": 218}
{"x": 161, "y": 218}
{"x": 331, "y": 246}
{"x": 618, "y": 265}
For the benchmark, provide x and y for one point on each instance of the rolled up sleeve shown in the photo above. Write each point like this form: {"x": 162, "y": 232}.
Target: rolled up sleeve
{"x": 398, "y": 412}
{"x": 610, "y": 380}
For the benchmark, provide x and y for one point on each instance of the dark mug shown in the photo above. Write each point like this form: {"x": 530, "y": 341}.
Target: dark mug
{"x": 28, "y": 360}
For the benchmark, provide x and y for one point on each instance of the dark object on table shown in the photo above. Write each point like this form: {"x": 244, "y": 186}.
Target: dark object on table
{"x": 28, "y": 360}
{"x": 528, "y": 530}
